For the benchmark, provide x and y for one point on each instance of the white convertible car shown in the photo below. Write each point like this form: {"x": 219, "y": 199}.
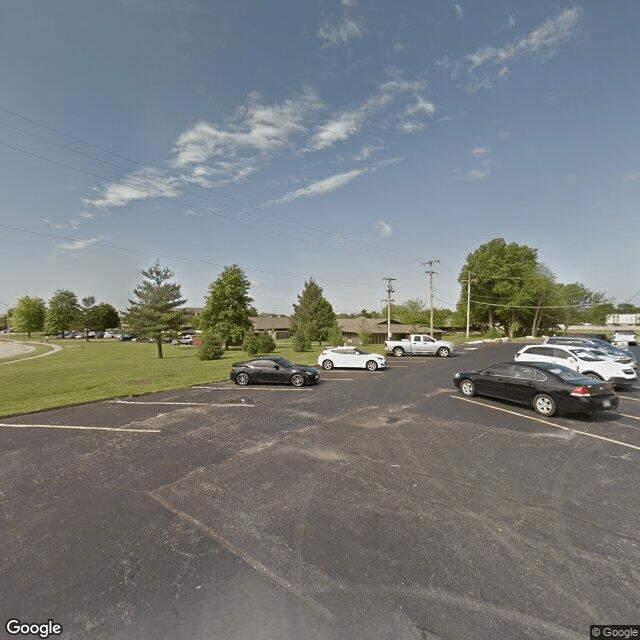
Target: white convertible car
{"x": 351, "y": 357}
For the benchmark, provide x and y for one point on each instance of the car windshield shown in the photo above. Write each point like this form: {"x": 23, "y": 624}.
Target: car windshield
{"x": 361, "y": 352}
{"x": 283, "y": 362}
{"x": 585, "y": 355}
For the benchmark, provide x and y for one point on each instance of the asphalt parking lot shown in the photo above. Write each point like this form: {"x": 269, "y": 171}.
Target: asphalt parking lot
{"x": 375, "y": 505}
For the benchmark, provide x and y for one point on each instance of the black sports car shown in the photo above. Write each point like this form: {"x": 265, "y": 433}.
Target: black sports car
{"x": 547, "y": 387}
{"x": 273, "y": 369}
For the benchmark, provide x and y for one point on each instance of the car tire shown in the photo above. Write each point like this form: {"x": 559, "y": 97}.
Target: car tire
{"x": 398, "y": 352}
{"x": 544, "y": 405}
{"x": 467, "y": 388}
{"x": 593, "y": 376}
{"x": 297, "y": 380}
{"x": 443, "y": 352}
{"x": 327, "y": 364}
{"x": 372, "y": 365}
{"x": 242, "y": 379}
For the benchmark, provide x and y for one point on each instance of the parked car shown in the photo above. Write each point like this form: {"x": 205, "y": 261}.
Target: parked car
{"x": 579, "y": 359}
{"x": 273, "y": 369}
{"x": 547, "y": 387}
{"x": 351, "y": 357}
{"x": 624, "y": 337}
{"x": 419, "y": 345}
{"x": 596, "y": 343}
{"x": 188, "y": 339}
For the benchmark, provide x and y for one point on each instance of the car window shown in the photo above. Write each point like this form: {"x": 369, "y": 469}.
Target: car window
{"x": 417, "y": 338}
{"x": 523, "y": 372}
{"x": 540, "y": 351}
{"x": 428, "y": 339}
{"x": 504, "y": 369}
{"x": 561, "y": 353}
{"x": 566, "y": 374}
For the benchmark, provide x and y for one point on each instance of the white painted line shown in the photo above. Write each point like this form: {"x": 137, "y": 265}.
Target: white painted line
{"x": 397, "y": 366}
{"x": 557, "y": 426}
{"x": 69, "y": 426}
{"x": 335, "y": 379}
{"x": 253, "y": 388}
{"x": 628, "y": 416}
{"x": 189, "y": 404}
{"x": 626, "y": 398}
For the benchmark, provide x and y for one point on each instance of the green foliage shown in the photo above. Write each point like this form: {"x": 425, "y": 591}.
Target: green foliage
{"x": 266, "y": 343}
{"x": 104, "y": 317}
{"x": 28, "y": 315}
{"x": 251, "y": 344}
{"x": 155, "y": 313}
{"x": 227, "y": 309}
{"x": 63, "y": 313}
{"x": 210, "y": 346}
{"x": 301, "y": 341}
{"x": 335, "y": 337}
{"x": 87, "y": 307}
{"x": 313, "y": 315}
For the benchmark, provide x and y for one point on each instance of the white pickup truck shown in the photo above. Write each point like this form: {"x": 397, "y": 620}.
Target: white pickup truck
{"x": 419, "y": 345}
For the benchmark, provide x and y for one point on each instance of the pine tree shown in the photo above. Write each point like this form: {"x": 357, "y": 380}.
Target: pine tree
{"x": 155, "y": 313}
{"x": 313, "y": 315}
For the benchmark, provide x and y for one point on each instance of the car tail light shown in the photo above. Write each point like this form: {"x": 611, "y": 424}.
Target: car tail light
{"x": 580, "y": 391}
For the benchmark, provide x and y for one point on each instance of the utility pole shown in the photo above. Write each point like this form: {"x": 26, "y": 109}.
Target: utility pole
{"x": 430, "y": 273}
{"x": 390, "y": 290}
{"x": 468, "y": 300}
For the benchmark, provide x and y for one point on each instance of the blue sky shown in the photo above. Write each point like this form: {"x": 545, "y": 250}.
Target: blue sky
{"x": 344, "y": 140}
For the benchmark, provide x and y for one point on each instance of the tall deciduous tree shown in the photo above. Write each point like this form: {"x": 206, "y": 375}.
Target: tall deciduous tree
{"x": 63, "y": 313}
{"x": 87, "y": 307}
{"x": 155, "y": 312}
{"x": 313, "y": 315}
{"x": 227, "y": 310}
{"x": 28, "y": 315}
{"x": 104, "y": 317}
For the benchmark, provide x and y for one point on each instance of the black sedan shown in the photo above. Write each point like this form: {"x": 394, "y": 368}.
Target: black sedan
{"x": 547, "y": 387}
{"x": 273, "y": 369}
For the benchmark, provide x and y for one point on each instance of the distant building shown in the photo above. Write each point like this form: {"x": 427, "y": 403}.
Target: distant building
{"x": 623, "y": 319}
{"x": 275, "y": 326}
{"x": 377, "y": 327}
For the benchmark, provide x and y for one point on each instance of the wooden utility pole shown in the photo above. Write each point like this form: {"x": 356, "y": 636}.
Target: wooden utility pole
{"x": 430, "y": 273}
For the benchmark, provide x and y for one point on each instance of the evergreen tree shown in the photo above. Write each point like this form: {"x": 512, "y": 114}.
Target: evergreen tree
{"x": 313, "y": 315}
{"x": 28, "y": 315}
{"x": 227, "y": 309}
{"x": 63, "y": 313}
{"x": 155, "y": 312}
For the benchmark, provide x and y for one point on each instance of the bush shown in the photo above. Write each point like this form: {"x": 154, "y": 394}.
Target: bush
{"x": 251, "y": 344}
{"x": 266, "y": 343}
{"x": 211, "y": 346}
{"x": 335, "y": 337}
{"x": 301, "y": 341}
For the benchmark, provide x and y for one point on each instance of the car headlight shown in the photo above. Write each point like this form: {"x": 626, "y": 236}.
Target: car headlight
{"x": 457, "y": 375}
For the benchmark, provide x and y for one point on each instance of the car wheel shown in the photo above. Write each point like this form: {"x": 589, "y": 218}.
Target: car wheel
{"x": 398, "y": 352}
{"x": 297, "y": 380}
{"x": 242, "y": 379}
{"x": 544, "y": 405}
{"x": 593, "y": 376}
{"x": 327, "y": 364}
{"x": 372, "y": 365}
{"x": 443, "y": 352}
{"x": 467, "y": 387}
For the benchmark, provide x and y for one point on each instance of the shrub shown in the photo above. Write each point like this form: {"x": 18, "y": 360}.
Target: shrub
{"x": 335, "y": 337}
{"x": 251, "y": 344}
{"x": 211, "y": 346}
{"x": 266, "y": 343}
{"x": 301, "y": 341}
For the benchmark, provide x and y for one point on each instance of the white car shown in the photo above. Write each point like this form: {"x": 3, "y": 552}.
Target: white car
{"x": 624, "y": 337}
{"x": 579, "y": 359}
{"x": 351, "y": 357}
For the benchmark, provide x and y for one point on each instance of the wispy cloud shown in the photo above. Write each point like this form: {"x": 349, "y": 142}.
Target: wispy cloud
{"x": 632, "y": 177}
{"x": 458, "y": 10}
{"x": 477, "y": 174}
{"x": 220, "y": 173}
{"x": 77, "y": 245}
{"x": 254, "y": 128}
{"x": 146, "y": 183}
{"x": 345, "y": 29}
{"x": 481, "y": 152}
{"x": 544, "y": 39}
{"x": 383, "y": 228}
{"x": 320, "y": 187}
{"x": 345, "y": 124}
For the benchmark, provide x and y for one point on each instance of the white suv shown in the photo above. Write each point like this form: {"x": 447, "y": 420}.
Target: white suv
{"x": 580, "y": 360}
{"x": 624, "y": 337}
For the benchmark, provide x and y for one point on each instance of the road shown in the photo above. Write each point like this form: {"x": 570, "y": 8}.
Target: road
{"x": 375, "y": 505}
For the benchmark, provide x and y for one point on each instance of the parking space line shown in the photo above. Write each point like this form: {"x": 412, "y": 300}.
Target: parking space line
{"x": 73, "y": 426}
{"x": 189, "y": 404}
{"x": 334, "y": 379}
{"x": 626, "y": 398}
{"x": 557, "y": 426}
{"x": 628, "y": 416}
{"x": 254, "y": 388}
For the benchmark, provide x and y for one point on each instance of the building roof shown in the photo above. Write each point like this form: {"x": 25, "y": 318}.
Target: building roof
{"x": 276, "y": 323}
{"x": 377, "y": 325}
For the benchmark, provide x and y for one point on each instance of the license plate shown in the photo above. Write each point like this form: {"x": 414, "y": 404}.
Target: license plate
{"x": 606, "y": 403}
